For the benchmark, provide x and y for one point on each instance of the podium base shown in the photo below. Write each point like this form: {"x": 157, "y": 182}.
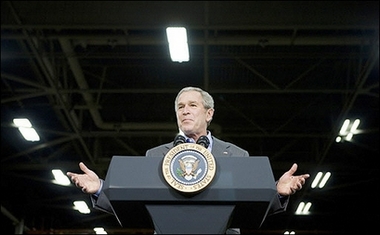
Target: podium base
{"x": 190, "y": 219}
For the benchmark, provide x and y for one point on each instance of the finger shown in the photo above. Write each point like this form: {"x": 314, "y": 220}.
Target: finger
{"x": 303, "y": 180}
{"x": 76, "y": 182}
{"x": 293, "y": 169}
{"x": 84, "y": 168}
{"x": 73, "y": 176}
{"x": 293, "y": 191}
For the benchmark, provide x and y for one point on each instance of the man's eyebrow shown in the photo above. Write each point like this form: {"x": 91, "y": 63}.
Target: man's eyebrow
{"x": 189, "y": 102}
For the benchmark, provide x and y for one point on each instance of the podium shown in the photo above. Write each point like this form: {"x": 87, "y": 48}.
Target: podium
{"x": 239, "y": 196}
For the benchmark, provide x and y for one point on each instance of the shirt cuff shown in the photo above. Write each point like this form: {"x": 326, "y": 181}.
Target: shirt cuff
{"x": 100, "y": 188}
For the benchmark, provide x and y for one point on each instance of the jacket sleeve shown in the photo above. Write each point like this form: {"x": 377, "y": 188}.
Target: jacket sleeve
{"x": 279, "y": 204}
{"x": 101, "y": 202}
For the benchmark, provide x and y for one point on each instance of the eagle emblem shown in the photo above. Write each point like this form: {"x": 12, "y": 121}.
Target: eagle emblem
{"x": 188, "y": 167}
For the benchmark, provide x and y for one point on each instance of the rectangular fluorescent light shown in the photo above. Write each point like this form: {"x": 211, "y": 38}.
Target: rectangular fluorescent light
{"x": 26, "y": 129}
{"x": 82, "y": 207}
{"x": 60, "y": 178}
{"x": 100, "y": 230}
{"x": 343, "y": 129}
{"x": 303, "y": 208}
{"x": 320, "y": 179}
{"x": 178, "y": 47}
{"x": 347, "y": 131}
{"x": 354, "y": 126}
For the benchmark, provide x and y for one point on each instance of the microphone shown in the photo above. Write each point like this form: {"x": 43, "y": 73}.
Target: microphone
{"x": 203, "y": 140}
{"x": 179, "y": 139}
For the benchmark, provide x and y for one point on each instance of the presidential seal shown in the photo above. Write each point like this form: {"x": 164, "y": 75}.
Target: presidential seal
{"x": 189, "y": 167}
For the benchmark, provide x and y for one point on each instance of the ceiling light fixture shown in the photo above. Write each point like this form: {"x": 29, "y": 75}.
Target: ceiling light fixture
{"x": 26, "y": 129}
{"x": 81, "y": 206}
{"x": 178, "y": 47}
{"x": 99, "y": 230}
{"x": 320, "y": 179}
{"x": 60, "y": 178}
{"x": 291, "y": 232}
{"x": 303, "y": 208}
{"x": 347, "y": 131}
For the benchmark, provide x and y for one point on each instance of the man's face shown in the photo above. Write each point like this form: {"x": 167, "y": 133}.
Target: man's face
{"x": 192, "y": 117}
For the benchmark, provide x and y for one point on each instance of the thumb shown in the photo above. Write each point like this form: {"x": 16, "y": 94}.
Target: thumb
{"x": 293, "y": 169}
{"x": 84, "y": 168}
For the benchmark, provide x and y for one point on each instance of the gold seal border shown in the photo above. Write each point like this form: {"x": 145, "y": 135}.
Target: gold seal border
{"x": 211, "y": 168}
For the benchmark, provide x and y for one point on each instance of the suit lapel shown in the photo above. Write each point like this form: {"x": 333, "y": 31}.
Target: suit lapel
{"x": 166, "y": 148}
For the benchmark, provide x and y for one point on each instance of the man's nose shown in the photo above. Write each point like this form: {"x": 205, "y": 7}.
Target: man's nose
{"x": 185, "y": 109}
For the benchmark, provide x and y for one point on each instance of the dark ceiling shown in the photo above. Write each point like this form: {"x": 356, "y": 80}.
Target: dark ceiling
{"x": 96, "y": 80}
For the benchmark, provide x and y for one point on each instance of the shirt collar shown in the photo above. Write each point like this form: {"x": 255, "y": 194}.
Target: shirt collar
{"x": 191, "y": 140}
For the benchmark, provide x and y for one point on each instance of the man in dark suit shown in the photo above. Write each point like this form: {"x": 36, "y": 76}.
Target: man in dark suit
{"x": 194, "y": 109}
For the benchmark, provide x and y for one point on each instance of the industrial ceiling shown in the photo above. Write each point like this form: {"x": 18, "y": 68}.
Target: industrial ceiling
{"x": 96, "y": 80}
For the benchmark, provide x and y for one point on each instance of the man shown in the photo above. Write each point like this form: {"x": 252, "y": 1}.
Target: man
{"x": 194, "y": 111}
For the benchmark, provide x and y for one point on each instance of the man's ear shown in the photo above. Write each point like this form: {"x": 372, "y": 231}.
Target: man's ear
{"x": 210, "y": 114}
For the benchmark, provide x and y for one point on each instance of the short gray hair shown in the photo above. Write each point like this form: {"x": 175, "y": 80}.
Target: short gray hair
{"x": 208, "y": 101}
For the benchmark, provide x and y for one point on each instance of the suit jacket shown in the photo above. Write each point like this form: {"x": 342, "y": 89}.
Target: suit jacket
{"x": 219, "y": 148}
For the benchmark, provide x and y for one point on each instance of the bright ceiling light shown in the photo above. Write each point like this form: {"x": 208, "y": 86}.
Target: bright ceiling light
{"x": 303, "y": 208}
{"x": 99, "y": 230}
{"x": 320, "y": 179}
{"x": 22, "y": 122}
{"x": 324, "y": 180}
{"x": 346, "y": 131}
{"x": 178, "y": 47}
{"x": 287, "y": 232}
{"x": 354, "y": 126}
{"x": 81, "y": 206}
{"x": 26, "y": 129}
{"x": 60, "y": 178}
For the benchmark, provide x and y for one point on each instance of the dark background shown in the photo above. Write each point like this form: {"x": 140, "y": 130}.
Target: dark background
{"x": 96, "y": 80}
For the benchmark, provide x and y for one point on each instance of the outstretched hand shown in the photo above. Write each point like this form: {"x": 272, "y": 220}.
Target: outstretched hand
{"x": 89, "y": 182}
{"x": 288, "y": 183}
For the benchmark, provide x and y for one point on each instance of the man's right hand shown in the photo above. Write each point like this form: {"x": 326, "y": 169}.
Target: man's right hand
{"x": 89, "y": 182}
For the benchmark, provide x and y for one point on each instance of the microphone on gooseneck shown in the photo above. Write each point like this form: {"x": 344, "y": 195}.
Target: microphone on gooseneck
{"x": 203, "y": 140}
{"x": 179, "y": 139}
